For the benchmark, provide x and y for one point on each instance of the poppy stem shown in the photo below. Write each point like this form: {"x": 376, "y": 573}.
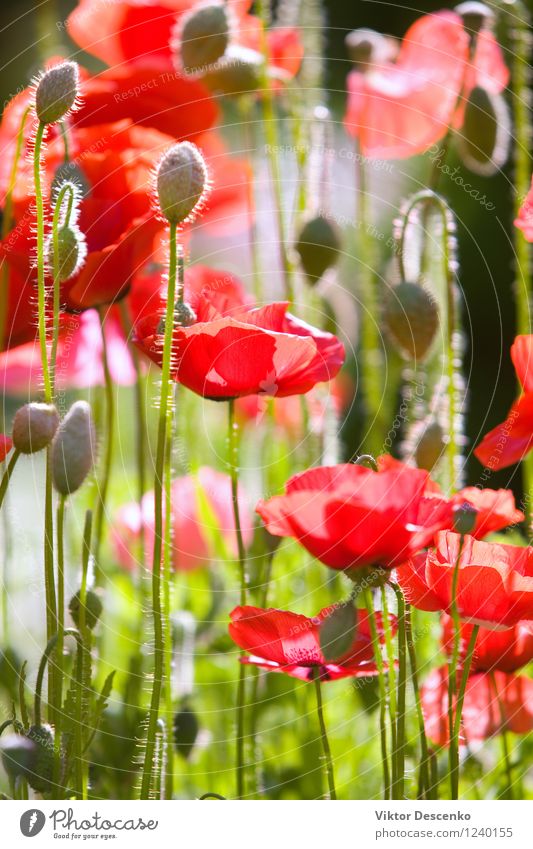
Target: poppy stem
{"x": 167, "y": 742}
{"x": 423, "y": 781}
{"x": 503, "y": 735}
{"x": 60, "y": 638}
{"x": 7, "y": 474}
{"x": 392, "y": 688}
{"x": 454, "y": 661}
{"x": 454, "y": 750}
{"x": 103, "y": 484}
{"x": 165, "y": 413}
{"x": 398, "y": 789}
{"x": 369, "y": 603}
{"x": 66, "y": 189}
{"x": 324, "y": 735}
{"x": 241, "y": 687}
{"x": 82, "y": 696}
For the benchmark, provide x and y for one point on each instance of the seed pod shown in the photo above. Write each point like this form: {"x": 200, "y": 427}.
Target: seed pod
{"x": 71, "y": 252}
{"x": 476, "y": 16}
{"x": 411, "y": 318}
{"x": 40, "y": 771}
{"x": 34, "y": 427}
{"x": 464, "y": 519}
{"x": 239, "y": 71}
{"x": 93, "y": 609}
{"x": 18, "y": 755}
{"x": 318, "y": 245}
{"x": 430, "y": 447}
{"x": 182, "y": 182}
{"x": 186, "y": 728}
{"x": 73, "y": 449}
{"x": 56, "y": 93}
{"x": 484, "y": 139}
{"x": 337, "y": 632}
{"x": 203, "y": 36}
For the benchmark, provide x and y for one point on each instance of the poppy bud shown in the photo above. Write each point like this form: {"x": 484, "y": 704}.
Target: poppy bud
{"x": 476, "y": 16}
{"x": 363, "y": 44}
{"x": 73, "y": 449}
{"x": 411, "y": 318}
{"x": 186, "y": 728}
{"x": 203, "y": 36}
{"x": 318, "y": 245}
{"x": 464, "y": 519}
{"x": 56, "y": 93}
{"x": 430, "y": 447}
{"x": 239, "y": 71}
{"x": 337, "y": 632}
{"x": 18, "y": 755}
{"x": 34, "y": 427}
{"x": 181, "y": 181}
{"x": 367, "y": 461}
{"x": 39, "y": 773}
{"x": 483, "y": 141}
{"x": 71, "y": 252}
{"x": 93, "y": 609}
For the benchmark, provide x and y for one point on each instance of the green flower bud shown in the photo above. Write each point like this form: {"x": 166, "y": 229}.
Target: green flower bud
{"x": 34, "y": 427}
{"x": 483, "y": 141}
{"x": 186, "y": 728}
{"x": 71, "y": 252}
{"x": 73, "y": 449}
{"x": 182, "y": 182}
{"x": 318, "y": 245}
{"x": 239, "y": 71}
{"x": 411, "y": 318}
{"x": 464, "y": 519}
{"x": 40, "y": 771}
{"x": 93, "y": 609}
{"x": 430, "y": 447}
{"x": 203, "y": 36}
{"x": 18, "y": 755}
{"x": 69, "y": 172}
{"x": 184, "y": 316}
{"x": 56, "y": 93}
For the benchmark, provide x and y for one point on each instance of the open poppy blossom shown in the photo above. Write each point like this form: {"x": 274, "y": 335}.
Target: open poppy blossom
{"x": 493, "y": 702}
{"x": 505, "y": 650}
{"x": 244, "y": 351}
{"x": 281, "y": 641}
{"x": 192, "y": 542}
{"x": 401, "y": 108}
{"x": 510, "y": 441}
{"x": 349, "y": 516}
{"x": 495, "y": 583}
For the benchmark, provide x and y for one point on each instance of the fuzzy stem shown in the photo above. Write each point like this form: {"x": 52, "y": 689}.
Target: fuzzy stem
{"x": 57, "y": 283}
{"x": 60, "y": 637}
{"x": 324, "y": 736}
{"x": 167, "y": 741}
{"x": 454, "y": 767}
{"x": 103, "y": 486}
{"x": 41, "y": 283}
{"x": 398, "y": 788}
{"x": 392, "y": 688}
{"x": 369, "y": 604}
{"x": 157, "y": 614}
{"x": 82, "y": 700}
{"x": 424, "y": 759}
{"x": 505, "y": 742}
{"x": 7, "y": 475}
{"x": 454, "y": 661}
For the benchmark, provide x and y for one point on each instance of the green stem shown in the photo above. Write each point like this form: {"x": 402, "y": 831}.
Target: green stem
{"x": 57, "y": 219}
{"x": 398, "y": 788}
{"x": 7, "y": 474}
{"x": 165, "y": 412}
{"x": 369, "y": 603}
{"x": 60, "y": 637}
{"x": 454, "y": 767}
{"x": 454, "y": 661}
{"x": 424, "y": 759}
{"x": 83, "y": 694}
{"x": 49, "y": 582}
{"x": 41, "y": 283}
{"x": 241, "y": 689}
{"x": 103, "y": 485}
{"x": 392, "y": 688}
{"x": 505, "y": 741}
{"x": 167, "y": 740}
{"x": 324, "y": 736}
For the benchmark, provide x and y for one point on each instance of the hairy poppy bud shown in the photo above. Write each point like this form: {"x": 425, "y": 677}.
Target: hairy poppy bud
{"x": 186, "y": 728}
{"x": 367, "y": 461}
{"x": 337, "y": 632}
{"x": 71, "y": 252}
{"x": 73, "y": 449}
{"x": 476, "y": 16}
{"x": 181, "y": 181}
{"x": 39, "y": 773}
{"x": 56, "y": 93}
{"x": 93, "y": 609}
{"x": 411, "y": 318}
{"x": 318, "y": 245}
{"x": 484, "y": 139}
{"x": 464, "y": 519}
{"x": 430, "y": 447}
{"x": 239, "y": 71}
{"x": 203, "y": 36}
{"x": 18, "y": 755}
{"x": 34, "y": 427}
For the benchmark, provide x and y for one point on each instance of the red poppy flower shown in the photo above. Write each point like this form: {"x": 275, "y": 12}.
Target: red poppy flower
{"x": 6, "y": 444}
{"x": 349, "y": 516}
{"x": 398, "y": 109}
{"x": 487, "y": 696}
{"x": 229, "y": 353}
{"x": 510, "y": 441}
{"x": 141, "y": 33}
{"x": 192, "y": 544}
{"x": 504, "y": 650}
{"x": 495, "y": 584}
{"x": 289, "y": 642}
{"x": 496, "y": 509}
